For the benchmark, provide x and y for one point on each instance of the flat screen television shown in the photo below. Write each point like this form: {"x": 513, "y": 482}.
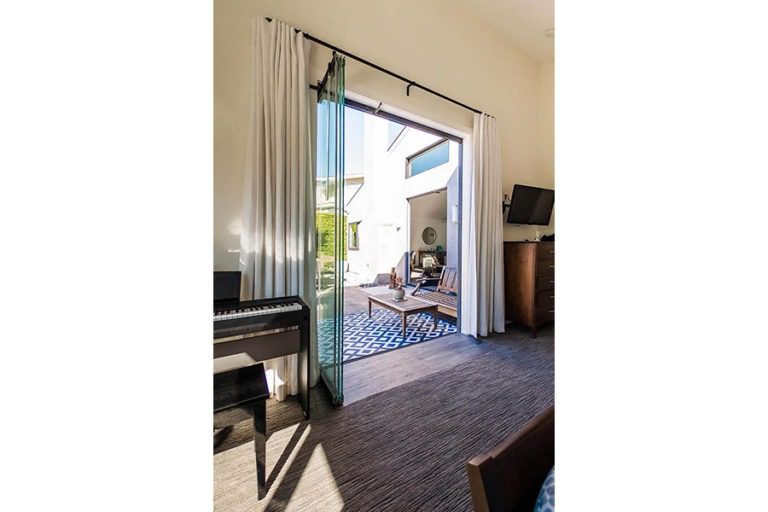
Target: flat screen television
{"x": 531, "y": 205}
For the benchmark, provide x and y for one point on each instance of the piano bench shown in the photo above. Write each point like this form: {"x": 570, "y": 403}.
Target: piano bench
{"x": 240, "y": 394}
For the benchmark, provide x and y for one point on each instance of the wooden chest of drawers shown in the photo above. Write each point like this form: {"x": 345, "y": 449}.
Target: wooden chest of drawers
{"x": 529, "y": 283}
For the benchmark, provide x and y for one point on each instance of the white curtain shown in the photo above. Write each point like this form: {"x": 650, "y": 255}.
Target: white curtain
{"x": 277, "y": 251}
{"x": 482, "y": 283}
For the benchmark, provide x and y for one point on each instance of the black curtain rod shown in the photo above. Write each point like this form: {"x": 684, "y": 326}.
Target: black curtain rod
{"x": 411, "y": 83}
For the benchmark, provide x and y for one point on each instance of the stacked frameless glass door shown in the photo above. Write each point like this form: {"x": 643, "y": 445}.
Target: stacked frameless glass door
{"x": 330, "y": 229}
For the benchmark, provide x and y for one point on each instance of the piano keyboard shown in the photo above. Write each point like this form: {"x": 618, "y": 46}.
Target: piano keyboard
{"x": 265, "y": 329}
{"x": 268, "y": 309}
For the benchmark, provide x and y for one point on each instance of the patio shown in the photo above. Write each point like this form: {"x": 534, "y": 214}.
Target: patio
{"x": 382, "y": 332}
{"x": 356, "y": 297}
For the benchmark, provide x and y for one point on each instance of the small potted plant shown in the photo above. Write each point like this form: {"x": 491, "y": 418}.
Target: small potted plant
{"x": 396, "y": 284}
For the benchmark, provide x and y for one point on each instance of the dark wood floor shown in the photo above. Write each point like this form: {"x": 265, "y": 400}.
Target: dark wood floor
{"x": 367, "y": 376}
{"x": 293, "y": 483}
{"x": 390, "y": 369}
{"x": 382, "y": 372}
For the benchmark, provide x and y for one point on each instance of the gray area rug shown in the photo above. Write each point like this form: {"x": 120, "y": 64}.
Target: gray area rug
{"x": 404, "y": 449}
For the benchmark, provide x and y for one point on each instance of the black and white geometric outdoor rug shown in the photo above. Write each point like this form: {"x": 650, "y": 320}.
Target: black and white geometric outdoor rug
{"x": 384, "y": 331}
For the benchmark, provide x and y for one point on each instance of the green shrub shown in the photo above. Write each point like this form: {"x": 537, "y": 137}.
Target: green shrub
{"x": 325, "y": 224}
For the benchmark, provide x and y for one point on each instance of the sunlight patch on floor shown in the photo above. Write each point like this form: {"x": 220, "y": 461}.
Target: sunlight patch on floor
{"x": 235, "y": 471}
{"x": 318, "y": 484}
{"x": 275, "y": 484}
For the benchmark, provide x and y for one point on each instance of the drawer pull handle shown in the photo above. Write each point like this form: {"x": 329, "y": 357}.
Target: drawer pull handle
{"x": 551, "y": 310}
{"x": 551, "y": 282}
{"x": 551, "y": 296}
{"x": 551, "y": 266}
{"x": 553, "y": 252}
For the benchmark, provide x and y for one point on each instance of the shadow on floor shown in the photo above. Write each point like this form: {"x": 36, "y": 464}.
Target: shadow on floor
{"x": 400, "y": 448}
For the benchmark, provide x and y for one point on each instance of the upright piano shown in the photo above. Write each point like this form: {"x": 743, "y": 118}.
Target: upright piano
{"x": 263, "y": 328}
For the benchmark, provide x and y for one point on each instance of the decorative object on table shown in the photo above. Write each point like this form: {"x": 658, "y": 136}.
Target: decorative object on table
{"x": 438, "y": 248}
{"x": 429, "y": 235}
{"x": 399, "y": 292}
{"x": 392, "y": 278}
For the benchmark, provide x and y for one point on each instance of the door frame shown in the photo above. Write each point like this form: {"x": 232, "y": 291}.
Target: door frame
{"x": 383, "y": 113}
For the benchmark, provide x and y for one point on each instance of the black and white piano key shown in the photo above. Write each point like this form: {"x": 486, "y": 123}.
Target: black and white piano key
{"x": 256, "y": 311}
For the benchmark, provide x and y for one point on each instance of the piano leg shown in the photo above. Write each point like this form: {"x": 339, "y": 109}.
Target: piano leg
{"x": 260, "y": 444}
{"x": 304, "y": 367}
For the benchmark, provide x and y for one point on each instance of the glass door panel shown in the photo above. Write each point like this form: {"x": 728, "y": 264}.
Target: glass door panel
{"x": 330, "y": 227}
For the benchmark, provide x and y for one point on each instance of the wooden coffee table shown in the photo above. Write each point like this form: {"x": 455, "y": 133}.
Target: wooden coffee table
{"x": 408, "y": 306}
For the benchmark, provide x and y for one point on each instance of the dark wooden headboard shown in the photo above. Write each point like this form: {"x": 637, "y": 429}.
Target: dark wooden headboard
{"x": 508, "y": 477}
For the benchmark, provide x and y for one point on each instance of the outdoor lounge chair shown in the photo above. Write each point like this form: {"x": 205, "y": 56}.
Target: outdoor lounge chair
{"x": 446, "y": 297}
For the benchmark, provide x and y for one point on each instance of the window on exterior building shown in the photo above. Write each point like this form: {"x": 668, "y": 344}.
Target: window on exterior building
{"x": 435, "y": 155}
{"x": 393, "y": 132}
{"x": 353, "y": 236}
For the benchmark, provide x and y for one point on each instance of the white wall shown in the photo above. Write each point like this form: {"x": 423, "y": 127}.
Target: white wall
{"x": 419, "y": 224}
{"x": 427, "y": 41}
{"x": 547, "y": 118}
{"x": 381, "y": 204}
{"x": 452, "y": 226}
{"x": 428, "y": 211}
{"x": 546, "y": 155}
{"x": 435, "y": 178}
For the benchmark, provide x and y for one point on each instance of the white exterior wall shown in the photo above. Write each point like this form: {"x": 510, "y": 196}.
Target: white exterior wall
{"x": 381, "y": 204}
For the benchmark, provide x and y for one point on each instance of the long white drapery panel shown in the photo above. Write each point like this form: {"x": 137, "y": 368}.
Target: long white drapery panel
{"x": 277, "y": 253}
{"x": 482, "y": 282}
